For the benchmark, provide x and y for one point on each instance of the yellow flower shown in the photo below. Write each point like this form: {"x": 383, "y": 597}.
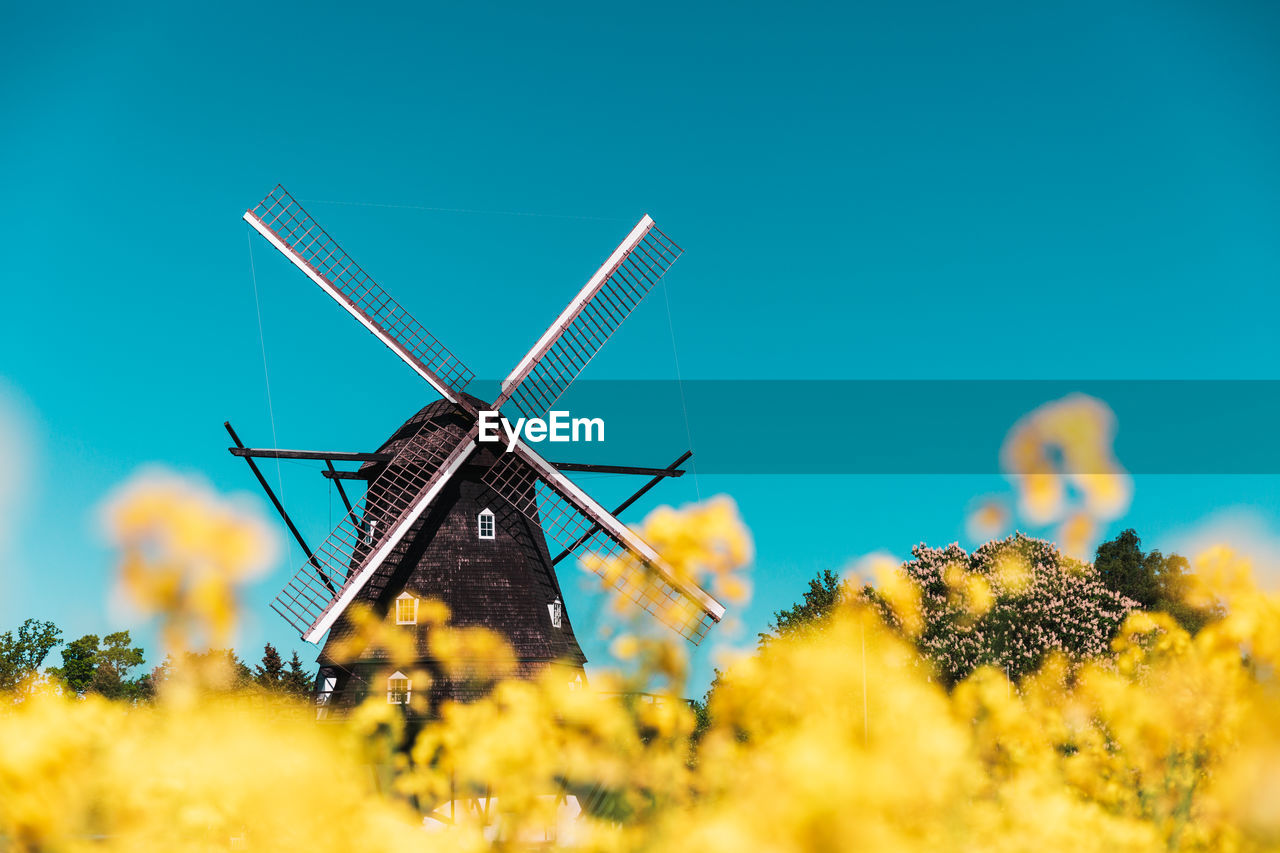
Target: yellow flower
{"x": 834, "y": 739}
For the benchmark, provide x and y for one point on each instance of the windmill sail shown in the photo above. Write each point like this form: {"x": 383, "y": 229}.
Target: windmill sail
{"x": 377, "y": 522}
{"x": 343, "y": 566}
{"x": 289, "y": 228}
{"x": 590, "y": 319}
{"x": 577, "y": 523}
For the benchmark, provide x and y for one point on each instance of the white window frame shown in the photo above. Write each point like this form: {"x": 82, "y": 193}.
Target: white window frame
{"x": 394, "y": 695}
{"x": 328, "y": 684}
{"x": 413, "y": 618}
{"x": 486, "y": 514}
{"x": 556, "y": 609}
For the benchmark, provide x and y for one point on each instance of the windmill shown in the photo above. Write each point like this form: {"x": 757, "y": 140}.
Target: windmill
{"x": 447, "y": 516}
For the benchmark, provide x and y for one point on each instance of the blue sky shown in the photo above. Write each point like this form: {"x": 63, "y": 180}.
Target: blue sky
{"x": 910, "y": 190}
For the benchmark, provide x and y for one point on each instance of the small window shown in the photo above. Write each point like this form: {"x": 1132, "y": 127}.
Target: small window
{"x": 370, "y": 527}
{"x": 399, "y": 689}
{"x": 556, "y": 609}
{"x": 328, "y": 683}
{"x": 486, "y": 524}
{"x": 576, "y": 684}
{"x": 406, "y": 609}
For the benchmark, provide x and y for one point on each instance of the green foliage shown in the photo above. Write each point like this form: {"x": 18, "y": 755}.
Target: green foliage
{"x": 296, "y": 682}
{"x": 1008, "y": 604}
{"x": 79, "y": 663}
{"x": 116, "y": 661}
{"x": 107, "y": 665}
{"x": 819, "y": 600}
{"x": 1155, "y": 581}
{"x": 702, "y": 710}
{"x": 117, "y": 652}
{"x": 241, "y": 675}
{"x": 273, "y": 676}
{"x": 1124, "y": 568}
{"x": 91, "y": 665}
{"x": 23, "y": 654}
{"x": 269, "y": 673}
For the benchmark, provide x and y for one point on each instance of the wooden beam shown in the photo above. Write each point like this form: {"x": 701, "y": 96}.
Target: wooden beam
{"x": 266, "y": 487}
{"x": 322, "y": 455}
{"x": 628, "y": 502}
{"x": 617, "y": 469}
{"x": 660, "y": 473}
{"x": 334, "y": 474}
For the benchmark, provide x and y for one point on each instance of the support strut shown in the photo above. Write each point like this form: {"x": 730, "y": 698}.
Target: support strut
{"x": 266, "y": 487}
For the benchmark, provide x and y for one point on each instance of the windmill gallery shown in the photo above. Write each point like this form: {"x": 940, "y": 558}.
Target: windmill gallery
{"x": 457, "y": 506}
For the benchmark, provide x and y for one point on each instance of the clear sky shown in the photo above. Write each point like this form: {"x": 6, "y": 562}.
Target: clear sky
{"x": 931, "y": 190}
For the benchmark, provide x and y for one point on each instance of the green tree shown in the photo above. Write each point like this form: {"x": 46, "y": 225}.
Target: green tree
{"x": 270, "y": 672}
{"x": 117, "y": 652}
{"x": 102, "y": 666}
{"x": 116, "y": 661}
{"x": 1062, "y": 605}
{"x": 1048, "y": 603}
{"x": 1155, "y": 581}
{"x": 22, "y": 654}
{"x": 824, "y": 592}
{"x": 297, "y": 682}
{"x": 241, "y": 675}
{"x": 108, "y": 683}
{"x": 1125, "y": 569}
{"x": 79, "y": 663}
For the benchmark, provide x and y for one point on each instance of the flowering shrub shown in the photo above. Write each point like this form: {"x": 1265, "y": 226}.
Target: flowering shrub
{"x": 1009, "y": 604}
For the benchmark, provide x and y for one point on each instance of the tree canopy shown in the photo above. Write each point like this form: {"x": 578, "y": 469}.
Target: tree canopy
{"x": 272, "y": 674}
{"x": 111, "y": 666}
{"x": 819, "y": 599}
{"x": 23, "y": 653}
{"x": 103, "y": 666}
{"x": 1155, "y": 581}
{"x": 1008, "y": 604}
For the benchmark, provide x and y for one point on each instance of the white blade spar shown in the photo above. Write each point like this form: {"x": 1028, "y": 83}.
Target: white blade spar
{"x": 362, "y": 541}
{"x": 571, "y": 518}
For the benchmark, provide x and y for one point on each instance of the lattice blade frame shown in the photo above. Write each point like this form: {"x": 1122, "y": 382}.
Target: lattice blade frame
{"x": 287, "y": 226}
{"x": 575, "y": 522}
{"x": 608, "y": 297}
{"x": 358, "y": 546}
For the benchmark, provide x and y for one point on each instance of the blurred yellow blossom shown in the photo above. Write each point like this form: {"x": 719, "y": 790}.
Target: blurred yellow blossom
{"x": 835, "y": 739}
{"x": 1067, "y": 442}
{"x": 705, "y": 543}
{"x": 988, "y": 519}
{"x": 1077, "y": 534}
{"x": 184, "y": 549}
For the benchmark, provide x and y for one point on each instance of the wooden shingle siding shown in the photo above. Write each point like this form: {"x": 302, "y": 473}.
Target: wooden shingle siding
{"x": 504, "y": 584}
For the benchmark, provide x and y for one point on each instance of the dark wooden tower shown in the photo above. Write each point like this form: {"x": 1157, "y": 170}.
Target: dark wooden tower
{"x": 489, "y": 564}
{"x": 451, "y": 517}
